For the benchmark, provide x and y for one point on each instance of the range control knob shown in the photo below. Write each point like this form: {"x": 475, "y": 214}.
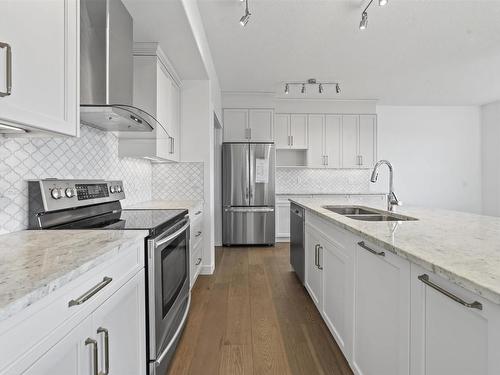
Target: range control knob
{"x": 70, "y": 192}
{"x": 118, "y": 188}
{"x": 112, "y": 189}
{"x": 56, "y": 193}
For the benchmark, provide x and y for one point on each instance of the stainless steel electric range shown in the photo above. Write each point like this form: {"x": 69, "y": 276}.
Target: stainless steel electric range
{"x": 95, "y": 204}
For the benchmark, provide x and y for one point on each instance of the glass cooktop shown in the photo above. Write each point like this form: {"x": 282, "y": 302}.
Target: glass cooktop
{"x": 151, "y": 220}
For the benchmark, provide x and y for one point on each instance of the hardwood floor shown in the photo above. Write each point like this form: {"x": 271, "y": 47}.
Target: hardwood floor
{"x": 253, "y": 316}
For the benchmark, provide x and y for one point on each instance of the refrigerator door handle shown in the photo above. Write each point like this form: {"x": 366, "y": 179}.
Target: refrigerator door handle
{"x": 249, "y": 209}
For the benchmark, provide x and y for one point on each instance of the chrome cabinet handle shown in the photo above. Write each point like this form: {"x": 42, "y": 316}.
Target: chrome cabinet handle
{"x": 172, "y": 145}
{"x": 106, "y": 349}
{"x": 360, "y": 159}
{"x": 472, "y": 305}
{"x": 198, "y": 234}
{"x": 292, "y": 139}
{"x": 320, "y": 267}
{"x": 288, "y": 140}
{"x": 197, "y": 213}
{"x": 8, "y": 69}
{"x": 198, "y": 261}
{"x": 379, "y": 253}
{"x": 316, "y": 255}
{"x": 95, "y": 354}
{"x": 326, "y": 157}
{"x": 89, "y": 294}
{"x": 247, "y": 193}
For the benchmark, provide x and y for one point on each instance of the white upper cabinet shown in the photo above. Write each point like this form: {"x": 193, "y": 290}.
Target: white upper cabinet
{"x": 449, "y": 337}
{"x": 282, "y": 131}
{"x": 39, "y": 60}
{"x": 291, "y": 131}
{"x": 261, "y": 125}
{"x": 359, "y": 141}
{"x": 248, "y": 125}
{"x": 367, "y": 140}
{"x": 316, "y": 150}
{"x": 382, "y": 313}
{"x": 298, "y": 131}
{"x": 324, "y": 141}
{"x": 350, "y": 126}
{"x": 156, "y": 91}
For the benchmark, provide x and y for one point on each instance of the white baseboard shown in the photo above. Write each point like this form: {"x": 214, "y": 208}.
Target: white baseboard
{"x": 283, "y": 239}
{"x": 208, "y": 269}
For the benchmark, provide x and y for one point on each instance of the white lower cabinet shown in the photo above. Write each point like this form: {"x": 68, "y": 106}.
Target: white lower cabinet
{"x": 70, "y": 356}
{"x": 382, "y": 313}
{"x": 283, "y": 219}
{"x": 196, "y": 244}
{"x": 120, "y": 321}
{"x": 449, "y": 337}
{"x": 313, "y": 279}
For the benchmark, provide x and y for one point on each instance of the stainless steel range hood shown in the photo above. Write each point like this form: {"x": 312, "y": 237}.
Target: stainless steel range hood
{"x": 107, "y": 68}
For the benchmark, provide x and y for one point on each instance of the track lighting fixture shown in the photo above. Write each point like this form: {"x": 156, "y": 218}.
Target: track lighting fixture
{"x": 364, "y": 21}
{"x": 363, "y": 24}
{"x": 246, "y": 17}
{"x": 311, "y": 81}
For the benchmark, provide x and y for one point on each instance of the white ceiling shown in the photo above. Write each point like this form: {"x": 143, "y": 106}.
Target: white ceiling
{"x": 165, "y": 21}
{"x": 413, "y": 52}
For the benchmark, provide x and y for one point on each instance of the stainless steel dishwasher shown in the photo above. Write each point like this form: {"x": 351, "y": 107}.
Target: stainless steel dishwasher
{"x": 297, "y": 246}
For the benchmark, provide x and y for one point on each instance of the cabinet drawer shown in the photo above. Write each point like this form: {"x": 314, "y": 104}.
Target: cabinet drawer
{"x": 46, "y": 321}
{"x": 196, "y": 261}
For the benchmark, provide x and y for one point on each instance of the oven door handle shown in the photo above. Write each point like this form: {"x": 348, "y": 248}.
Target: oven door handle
{"x": 176, "y": 334}
{"x": 172, "y": 236}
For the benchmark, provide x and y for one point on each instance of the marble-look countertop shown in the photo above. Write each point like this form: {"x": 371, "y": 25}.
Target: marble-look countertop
{"x": 35, "y": 263}
{"x": 323, "y": 194}
{"x": 463, "y": 248}
{"x": 167, "y": 205}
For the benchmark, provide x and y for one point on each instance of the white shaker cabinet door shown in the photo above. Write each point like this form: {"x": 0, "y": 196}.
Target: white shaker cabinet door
{"x": 449, "y": 337}
{"x": 314, "y": 281}
{"x": 315, "y": 153}
{"x": 261, "y": 125}
{"x": 70, "y": 356}
{"x": 332, "y": 141}
{"x": 122, "y": 319}
{"x": 236, "y": 125}
{"x": 338, "y": 291}
{"x": 382, "y": 313}
{"x": 42, "y": 40}
{"x": 350, "y": 156}
{"x": 282, "y": 131}
{"x": 298, "y": 131}
{"x": 367, "y": 140}
{"x": 283, "y": 219}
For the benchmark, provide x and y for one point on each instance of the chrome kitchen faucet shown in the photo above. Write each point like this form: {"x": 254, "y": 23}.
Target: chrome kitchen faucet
{"x": 392, "y": 200}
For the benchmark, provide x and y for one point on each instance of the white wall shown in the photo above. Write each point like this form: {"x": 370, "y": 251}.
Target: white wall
{"x": 436, "y": 154}
{"x": 490, "y": 117}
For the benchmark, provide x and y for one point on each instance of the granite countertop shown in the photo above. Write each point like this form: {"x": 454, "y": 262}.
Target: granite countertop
{"x": 337, "y": 193}
{"x": 463, "y": 248}
{"x": 35, "y": 263}
{"x": 167, "y": 205}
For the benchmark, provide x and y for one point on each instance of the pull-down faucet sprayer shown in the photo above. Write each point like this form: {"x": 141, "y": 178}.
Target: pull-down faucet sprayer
{"x": 392, "y": 200}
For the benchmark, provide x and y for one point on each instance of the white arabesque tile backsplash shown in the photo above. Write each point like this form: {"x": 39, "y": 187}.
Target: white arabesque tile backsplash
{"x": 322, "y": 181}
{"x": 93, "y": 155}
{"x": 178, "y": 181}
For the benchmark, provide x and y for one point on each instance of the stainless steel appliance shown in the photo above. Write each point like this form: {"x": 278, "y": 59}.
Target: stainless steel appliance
{"x": 248, "y": 193}
{"x": 297, "y": 245}
{"x": 95, "y": 204}
{"x": 107, "y": 69}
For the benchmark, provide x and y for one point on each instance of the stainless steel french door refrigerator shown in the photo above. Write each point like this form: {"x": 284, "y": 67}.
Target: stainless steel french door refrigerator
{"x": 248, "y": 211}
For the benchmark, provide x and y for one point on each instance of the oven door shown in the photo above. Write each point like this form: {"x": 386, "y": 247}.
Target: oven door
{"x": 168, "y": 295}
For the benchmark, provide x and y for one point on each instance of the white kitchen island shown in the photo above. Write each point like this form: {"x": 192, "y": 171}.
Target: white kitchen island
{"x": 411, "y": 297}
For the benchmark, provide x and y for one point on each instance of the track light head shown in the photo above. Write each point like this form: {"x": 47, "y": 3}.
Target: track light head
{"x": 320, "y": 88}
{"x": 337, "y": 88}
{"x": 244, "y": 20}
{"x": 382, "y": 2}
{"x": 364, "y": 21}
{"x": 303, "y": 89}
{"x": 287, "y": 89}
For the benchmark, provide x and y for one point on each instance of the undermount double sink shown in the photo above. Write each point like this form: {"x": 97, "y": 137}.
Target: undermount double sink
{"x": 367, "y": 214}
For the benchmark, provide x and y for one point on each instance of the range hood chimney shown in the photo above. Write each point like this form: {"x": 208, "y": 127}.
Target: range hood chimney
{"x": 107, "y": 68}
